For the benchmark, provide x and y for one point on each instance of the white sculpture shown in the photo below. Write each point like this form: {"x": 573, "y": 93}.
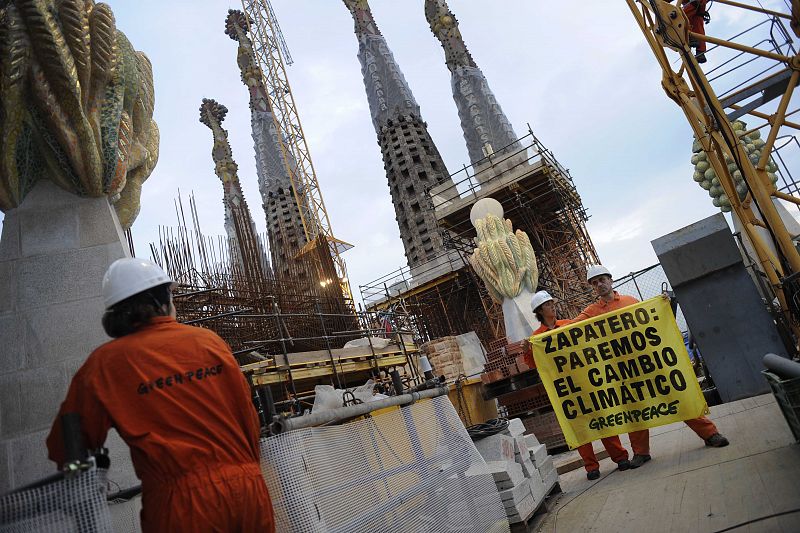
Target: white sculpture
{"x": 506, "y": 263}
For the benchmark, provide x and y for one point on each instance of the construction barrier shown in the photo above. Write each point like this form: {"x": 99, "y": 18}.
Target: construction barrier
{"x": 76, "y": 502}
{"x": 409, "y": 469}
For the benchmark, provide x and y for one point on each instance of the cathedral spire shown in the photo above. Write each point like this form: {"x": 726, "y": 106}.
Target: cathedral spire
{"x": 246, "y": 249}
{"x": 485, "y": 126}
{"x": 284, "y": 222}
{"x": 412, "y": 162}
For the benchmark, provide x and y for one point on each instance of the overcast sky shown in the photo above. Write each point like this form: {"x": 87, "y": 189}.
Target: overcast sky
{"x": 579, "y": 72}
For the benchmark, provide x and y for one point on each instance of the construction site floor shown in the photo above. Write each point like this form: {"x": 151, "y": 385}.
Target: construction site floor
{"x": 691, "y": 487}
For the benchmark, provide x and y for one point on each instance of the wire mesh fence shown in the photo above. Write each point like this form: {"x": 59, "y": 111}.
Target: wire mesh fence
{"x": 647, "y": 283}
{"x": 74, "y": 503}
{"x": 409, "y": 469}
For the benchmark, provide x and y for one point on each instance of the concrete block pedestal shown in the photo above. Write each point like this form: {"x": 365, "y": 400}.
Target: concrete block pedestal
{"x": 54, "y": 250}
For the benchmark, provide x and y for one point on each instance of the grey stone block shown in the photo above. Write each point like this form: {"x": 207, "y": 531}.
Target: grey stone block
{"x": 30, "y": 399}
{"x": 506, "y": 474}
{"x": 516, "y": 427}
{"x": 539, "y": 455}
{"x": 5, "y": 468}
{"x": 8, "y": 286}
{"x": 519, "y": 446}
{"x": 531, "y": 441}
{"x": 46, "y": 195}
{"x": 64, "y": 277}
{"x": 53, "y": 334}
{"x": 496, "y": 448}
{"x": 528, "y": 468}
{"x": 523, "y": 511}
{"x": 537, "y": 487}
{"x": 28, "y": 455}
{"x": 550, "y": 480}
{"x": 546, "y": 466}
{"x": 516, "y": 494}
{"x": 98, "y": 223}
{"x": 684, "y": 253}
{"x": 9, "y": 239}
{"x": 12, "y": 343}
{"x": 56, "y": 232}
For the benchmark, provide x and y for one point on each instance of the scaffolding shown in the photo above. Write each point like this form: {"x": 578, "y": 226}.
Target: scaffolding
{"x": 755, "y": 76}
{"x": 288, "y": 333}
{"x": 538, "y": 195}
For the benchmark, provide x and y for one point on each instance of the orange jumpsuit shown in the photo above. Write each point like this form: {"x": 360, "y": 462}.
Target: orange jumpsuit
{"x": 177, "y": 397}
{"x": 612, "y": 444}
{"x": 694, "y": 10}
{"x": 640, "y": 440}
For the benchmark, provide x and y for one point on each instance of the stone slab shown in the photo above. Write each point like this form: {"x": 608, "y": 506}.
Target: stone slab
{"x": 684, "y": 252}
{"x": 515, "y": 494}
{"x": 28, "y": 455}
{"x": 8, "y": 288}
{"x": 528, "y": 468}
{"x": 53, "y": 279}
{"x": 12, "y": 343}
{"x": 538, "y": 488}
{"x": 9, "y": 238}
{"x": 531, "y": 441}
{"x": 94, "y": 224}
{"x": 515, "y": 427}
{"x": 539, "y": 455}
{"x": 523, "y": 511}
{"x": 546, "y": 466}
{"x": 506, "y": 474}
{"x": 57, "y": 322}
{"x": 496, "y": 448}
{"x": 550, "y": 481}
{"x": 56, "y": 232}
{"x": 30, "y": 399}
{"x": 54, "y": 291}
{"x": 520, "y": 448}
{"x": 5, "y": 468}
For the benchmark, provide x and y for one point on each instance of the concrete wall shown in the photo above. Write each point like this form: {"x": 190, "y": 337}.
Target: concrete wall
{"x": 54, "y": 250}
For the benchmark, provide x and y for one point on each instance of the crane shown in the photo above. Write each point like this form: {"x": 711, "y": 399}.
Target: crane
{"x": 667, "y": 30}
{"x": 273, "y": 55}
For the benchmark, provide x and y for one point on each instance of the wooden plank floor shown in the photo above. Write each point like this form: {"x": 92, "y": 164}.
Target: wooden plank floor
{"x": 689, "y": 487}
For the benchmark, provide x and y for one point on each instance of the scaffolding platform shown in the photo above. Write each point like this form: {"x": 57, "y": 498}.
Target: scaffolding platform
{"x": 445, "y": 296}
{"x": 321, "y": 363}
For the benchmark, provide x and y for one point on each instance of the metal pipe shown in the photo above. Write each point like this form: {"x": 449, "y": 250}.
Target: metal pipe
{"x": 783, "y": 367}
{"x": 283, "y": 425}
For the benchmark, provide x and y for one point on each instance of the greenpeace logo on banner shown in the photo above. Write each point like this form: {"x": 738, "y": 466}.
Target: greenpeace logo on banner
{"x": 619, "y": 372}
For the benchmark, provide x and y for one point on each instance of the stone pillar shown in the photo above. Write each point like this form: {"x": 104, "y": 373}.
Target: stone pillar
{"x": 55, "y": 248}
{"x": 722, "y": 307}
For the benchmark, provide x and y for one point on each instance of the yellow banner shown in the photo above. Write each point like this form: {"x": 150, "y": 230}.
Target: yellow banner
{"x": 619, "y": 372}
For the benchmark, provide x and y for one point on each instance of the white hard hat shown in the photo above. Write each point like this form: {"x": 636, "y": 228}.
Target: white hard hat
{"x": 128, "y": 276}
{"x": 596, "y": 270}
{"x": 539, "y": 298}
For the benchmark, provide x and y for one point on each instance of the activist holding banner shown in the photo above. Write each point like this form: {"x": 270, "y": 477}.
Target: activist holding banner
{"x": 544, "y": 308}
{"x": 599, "y": 277}
{"x": 621, "y": 367}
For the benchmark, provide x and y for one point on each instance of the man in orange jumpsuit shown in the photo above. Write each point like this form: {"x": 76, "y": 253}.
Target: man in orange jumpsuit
{"x": 177, "y": 397}
{"x": 545, "y": 309}
{"x": 695, "y": 11}
{"x": 599, "y": 277}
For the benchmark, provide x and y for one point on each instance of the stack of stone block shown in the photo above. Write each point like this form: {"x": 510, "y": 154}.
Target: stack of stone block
{"x": 445, "y": 356}
{"x": 522, "y": 470}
